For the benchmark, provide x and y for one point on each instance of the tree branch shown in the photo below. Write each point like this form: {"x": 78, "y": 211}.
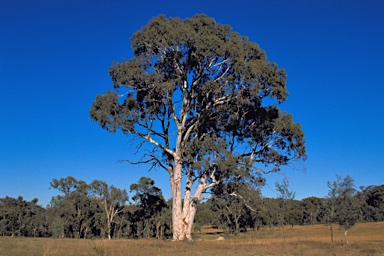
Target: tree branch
{"x": 245, "y": 203}
{"x": 154, "y": 142}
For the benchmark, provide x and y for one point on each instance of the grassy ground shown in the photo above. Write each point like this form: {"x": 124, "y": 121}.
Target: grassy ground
{"x": 365, "y": 239}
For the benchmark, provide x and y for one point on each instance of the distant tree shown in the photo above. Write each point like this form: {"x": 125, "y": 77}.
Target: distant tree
{"x": 231, "y": 211}
{"x": 111, "y": 200}
{"x": 342, "y": 205}
{"x": 199, "y": 95}
{"x": 123, "y": 223}
{"x": 19, "y": 217}
{"x": 255, "y": 210}
{"x": 66, "y": 185}
{"x": 60, "y": 214}
{"x": 270, "y": 212}
{"x": 284, "y": 199}
{"x": 72, "y": 207}
{"x": 37, "y": 225}
{"x": 9, "y": 223}
{"x": 328, "y": 209}
{"x": 150, "y": 204}
{"x": 311, "y": 209}
{"x": 233, "y": 202}
{"x": 294, "y": 213}
{"x": 11, "y": 215}
{"x": 204, "y": 215}
{"x": 373, "y": 207}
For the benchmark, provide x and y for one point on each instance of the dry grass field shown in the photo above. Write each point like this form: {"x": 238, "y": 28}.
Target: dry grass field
{"x": 364, "y": 238}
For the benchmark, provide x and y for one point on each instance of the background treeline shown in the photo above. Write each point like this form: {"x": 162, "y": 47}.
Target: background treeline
{"x": 98, "y": 210}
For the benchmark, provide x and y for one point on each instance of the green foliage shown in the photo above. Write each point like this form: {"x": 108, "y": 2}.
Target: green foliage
{"x": 212, "y": 88}
{"x": 285, "y": 199}
{"x": 151, "y": 216}
{"x": 373, "y": 203}
{"x": 111, "y": 201}
{"x": 342, "y": 205}
{"x": 237, "y": 207}
{"x": 210, "y": 82}
{"x": 204, "y": 215}
{"x": 312, "y": 210}
{"x": 72, "y": 209}
{"x": 342, "y": 201}
{"x": 19, "y": 217}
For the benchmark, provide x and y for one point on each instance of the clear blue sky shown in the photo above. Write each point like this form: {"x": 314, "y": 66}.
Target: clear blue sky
{"x": 54, "y": 59}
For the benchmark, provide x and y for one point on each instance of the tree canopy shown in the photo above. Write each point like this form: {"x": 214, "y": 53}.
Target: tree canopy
{"x": 204, "y": 97}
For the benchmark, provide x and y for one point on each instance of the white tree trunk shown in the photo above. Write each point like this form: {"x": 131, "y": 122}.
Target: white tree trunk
{"x": 189, "y": 218}
{"x": 177, "y": 226}
{"x": 190, "y": 205}
{"x": 346, "y": 237}
{"x": 183, "y": 215}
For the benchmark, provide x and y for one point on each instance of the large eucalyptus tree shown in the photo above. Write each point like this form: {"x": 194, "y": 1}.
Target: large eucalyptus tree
{"x": 195, "y": 91}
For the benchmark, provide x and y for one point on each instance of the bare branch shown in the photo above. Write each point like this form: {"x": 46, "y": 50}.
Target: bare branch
{"x": 200, "y": 198}
{"x": 148, "y": 158}
{"x": 195, "y": 122}
{"x": 222, "y": 75}
{"x": 245, "y": 203}
{"x": 154, "y": 142}
{"x": 221, "y": 63}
